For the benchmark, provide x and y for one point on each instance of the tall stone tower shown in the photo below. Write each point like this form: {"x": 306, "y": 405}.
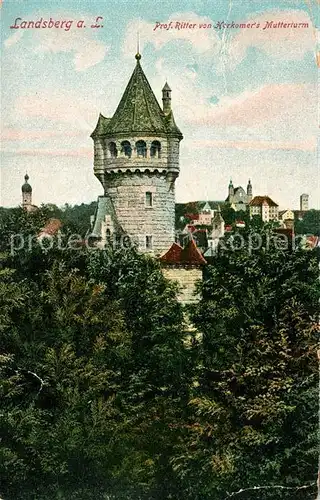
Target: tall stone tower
{"x": 249, "y": 191}
{"x": 26, "y": 194}
{"x": 136, "y": 159}
{"x": 304, "y": 202}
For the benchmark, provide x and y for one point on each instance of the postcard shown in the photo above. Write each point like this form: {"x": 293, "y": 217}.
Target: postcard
{"x": 159, "y": 250}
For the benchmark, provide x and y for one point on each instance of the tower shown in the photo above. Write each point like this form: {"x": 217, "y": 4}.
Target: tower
{"x": 304, "y": 202}
{"x": 249, "y": 191}
{"x": 26, "y": 194}
{"x": 231, "y": 191}
{"x": 136, "y": 159}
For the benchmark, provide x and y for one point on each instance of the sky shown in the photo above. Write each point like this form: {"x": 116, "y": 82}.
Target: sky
{"x": 245, "y": 99}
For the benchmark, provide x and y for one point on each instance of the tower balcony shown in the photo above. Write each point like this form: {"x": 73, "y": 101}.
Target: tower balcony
{"x": 125, "y": 165}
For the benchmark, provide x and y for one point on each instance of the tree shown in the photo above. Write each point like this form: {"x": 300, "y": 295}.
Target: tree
{"x": 310, "y": 224}
{"x": 229, "y": 215}
{"x": 92, "y": 376}
{"x": 161, "y": 370}
{"x": 255, "y": 404}
{"x": 65, "y": 353}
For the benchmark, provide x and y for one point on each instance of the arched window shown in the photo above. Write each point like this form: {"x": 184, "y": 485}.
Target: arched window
{"x": 113, "y": 150}
{"x": 126, "y": 148}
{"x": 155, "y": 149}
{"x": 141, "y": 149}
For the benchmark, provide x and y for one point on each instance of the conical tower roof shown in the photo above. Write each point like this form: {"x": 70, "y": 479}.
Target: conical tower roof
{"x": 138, "y": 111}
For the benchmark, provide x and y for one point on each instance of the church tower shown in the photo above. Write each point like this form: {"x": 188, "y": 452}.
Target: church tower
{"x": 249, "y": 191}
{"x": 136, "y": 159}
{"x": 231, "y": 191}
{"x": 26, "y": 194}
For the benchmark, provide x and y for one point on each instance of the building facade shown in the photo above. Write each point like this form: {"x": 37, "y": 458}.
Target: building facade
{"x": 265, "y": 208}
{"x": 136, "y": 159}
{"x": 286, "y": 215}
{"x": 238, "y": 197}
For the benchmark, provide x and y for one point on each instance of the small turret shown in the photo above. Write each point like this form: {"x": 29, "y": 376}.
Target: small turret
{"x": 166, "y": 99}
{"x": 249, "y": 190}
{"x": 26, "y": 194}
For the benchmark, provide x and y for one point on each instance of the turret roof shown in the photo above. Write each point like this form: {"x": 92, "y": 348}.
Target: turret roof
{"x": 138, "y": 111}
{"x": 190, "y": 255}
{"x": 26, "y": 188}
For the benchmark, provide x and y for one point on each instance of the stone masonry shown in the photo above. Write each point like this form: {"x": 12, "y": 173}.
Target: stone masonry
{"x": 187, "y": 278}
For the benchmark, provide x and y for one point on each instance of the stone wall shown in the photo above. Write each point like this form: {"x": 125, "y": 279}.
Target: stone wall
{"x": 186, "y": 277}
{"x": 128, "y": 193}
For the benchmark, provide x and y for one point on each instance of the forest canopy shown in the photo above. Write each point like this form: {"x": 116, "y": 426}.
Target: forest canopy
{"x": 111, "y": 389}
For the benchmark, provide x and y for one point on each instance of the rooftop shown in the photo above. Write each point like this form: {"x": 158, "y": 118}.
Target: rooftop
{"x": 260, "y": 200}
{"x": 138, "y": 111}
{"x": 189, "y": 255}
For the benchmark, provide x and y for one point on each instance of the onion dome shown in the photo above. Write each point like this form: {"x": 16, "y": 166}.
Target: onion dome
{"x": 26, "y": 188}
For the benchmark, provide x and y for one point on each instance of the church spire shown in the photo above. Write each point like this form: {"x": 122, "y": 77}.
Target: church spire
{"x": 249, "y": 190}
{"x": 26, "y": 194}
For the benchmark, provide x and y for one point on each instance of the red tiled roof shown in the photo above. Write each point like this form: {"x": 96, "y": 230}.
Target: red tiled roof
{"x": 190, "y": 254}
{"x": 173, "y": 255}
{"x": 51, "y": 228}
{"x": 192, "y": 216}
{"x": 259, "y": 200}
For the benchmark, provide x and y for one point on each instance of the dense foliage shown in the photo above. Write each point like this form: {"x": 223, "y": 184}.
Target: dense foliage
{"x": 309, "y": 224}
{"x": 107, "y": 393}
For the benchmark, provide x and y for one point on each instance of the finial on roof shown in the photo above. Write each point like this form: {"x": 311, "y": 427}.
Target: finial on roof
{"x": 26, "y": 177}
{"x": 138, "y": 55}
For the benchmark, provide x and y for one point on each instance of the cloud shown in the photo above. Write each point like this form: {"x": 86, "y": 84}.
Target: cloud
{"x": 11, "y": 134}
{"x": 275, "y": 111}
{"x": 229, "y": 47}
{"x": 307, "y": 145}
{"x": 13, "y": 39}
{"x": 86, "y": 51}
{"x": 81, "y": 152}
{"x": 280, "y": 43}
{"x": 202, "y": 40}
{"x": 58, "y": 106}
